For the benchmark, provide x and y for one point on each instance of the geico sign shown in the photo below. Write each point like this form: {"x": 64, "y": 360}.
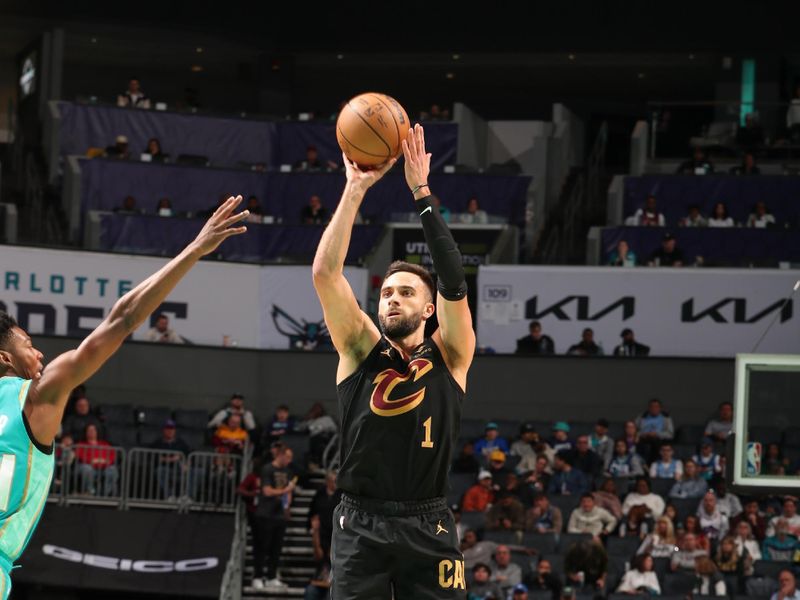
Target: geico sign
{"x": 127, "y": 564}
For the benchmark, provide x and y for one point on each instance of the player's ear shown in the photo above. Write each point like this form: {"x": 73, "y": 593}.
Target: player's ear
{"x": 5, "y": 360}
{"x": 430, "y": 308}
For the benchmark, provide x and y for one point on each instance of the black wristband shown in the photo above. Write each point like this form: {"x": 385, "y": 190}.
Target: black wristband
{"x": 444, "y": 252}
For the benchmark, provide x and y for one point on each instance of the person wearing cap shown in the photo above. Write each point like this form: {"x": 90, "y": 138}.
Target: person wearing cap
{"x": 482, "y": 586}
{"x": 566, "y": 480}
{"x": 235, "y": 406}
{"x": 507, "y": 513}
{"x": 601, "y": 442}
{"x": 119, "y": 149}
{"x": 519, "y": 592}
{"x": 667, "y": 254}
{"x": 524, "y": 447}
{"x": 535, "y": 342}
{"x": 168, "y": 471}
{"x": 498, "y": 468}
{"x": 491, "y": 440}
{"x": 133, "y": 97}
{"x": 560, "y": 441}
{"x": 708, "y": 461}
{"x": 480, "y": 496}
{"x": 629, "y": 346}
{"x": 587, "y": 346}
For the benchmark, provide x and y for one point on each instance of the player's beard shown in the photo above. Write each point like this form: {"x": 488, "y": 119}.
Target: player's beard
{"x": 399, "y": 329}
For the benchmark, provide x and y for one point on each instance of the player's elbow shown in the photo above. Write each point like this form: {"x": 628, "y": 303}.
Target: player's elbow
{"x": 322, "y": 272}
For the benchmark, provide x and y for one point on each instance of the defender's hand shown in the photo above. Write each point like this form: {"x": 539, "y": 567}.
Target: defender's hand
{"x": 418, "y": 162}
{"x": 218, "y": 228}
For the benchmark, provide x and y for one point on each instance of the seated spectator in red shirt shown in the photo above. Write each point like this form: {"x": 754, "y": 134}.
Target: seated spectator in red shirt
{"x": 231, "y": 436}
{"x": 96, "y": 464}
{"x": 479, "y": 496}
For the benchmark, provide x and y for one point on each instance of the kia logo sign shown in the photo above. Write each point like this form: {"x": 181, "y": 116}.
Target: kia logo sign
{"x": 497, "y": 293}
{"x": 126, "y": 564}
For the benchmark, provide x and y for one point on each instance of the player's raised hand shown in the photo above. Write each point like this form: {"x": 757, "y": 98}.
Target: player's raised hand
{"x": 363, "y": 180}
{"x": 219, "y": 228}
{"x": 418, "y": 162}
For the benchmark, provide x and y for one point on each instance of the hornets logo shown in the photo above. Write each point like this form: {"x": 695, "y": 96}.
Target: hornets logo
{"x": 381, "y": 402}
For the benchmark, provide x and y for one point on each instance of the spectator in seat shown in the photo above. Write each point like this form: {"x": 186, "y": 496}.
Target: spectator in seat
{"x": 718, "y": 429}
{"x": 519, "y": 488}
{"x": 479, "y": 496}
{"x": 630, "y": 434}
{"x": 566, "y": 480}
{"x": 65, "y": 459}
{"x": 154, "y": 151}
{"x": 505, "y": 573}
{"x": 586, "y": 567}
{"x": 699, "y": 164}
{"x": 789, "y": 515}
{"x": 128, "y": 207}
{"x": 587, "y": 345}
{"x": 543, "y": 580}
{"x": 691, "y": 524}
{"x": 649, "y": 216}
{"x": 507, "y": 513}
{"x": 774, "y": 462}
{"x": 313, "y": 163}
{"x": 321, "y": 428}
{"x": 76, "y": 423}
{"x": 524, "y": 447}
{"x": 684, "y": 558}
{"x": 483, "y": 585}
{"x": 642, "y": 496}
{"x": 601, "y": 443}
{"x": 748, "y": 166}
{"x": 235, "y": 407}
{"x": 629, "y": 345}
{"x": 728, "y": 503}
{"x": 625, "y": 463}
{"x": 607, "y": 497}
{"x": 164, "y": 208}
{"x": 760, "y": 218}
{"x": 667, "y": 466}
{"x": 539, "y": 479}
{"x": 133, "y": 97}
{"x": 585, "y": 459}
{"x": 668, "y": 254}
{"x": 498, "y": 469}
{"x": 96, "y": 463}
{"x": 752, "y": 516}
{"x": 466, "y": 462}
{"x": 660, "y": 543}
{"x": 162, "y": 333}
{"x": 560, "y": 440}
{"x": 640, "y": 579}
{"x": 544, "y": 517}
{"x": 120, "y": 149}
{"x": 169, "y": 470}
{"x": 719, "y": 216}
{"x": 255, "y": 210}
{"x": 709, "y": 579}
{"x": 435, "y": 113}
{"x": 280, "y": 423}
{"x": 787, "y": 586}
{"x": 655, "y": 427}
{"x": 589, "y": 518}
{"x": 746, "y": 542}
{"x": 622, "y": 256}
{"x": 691, "y": 484}
{"x": 708, "y": 461}
{"x": 475, "y": 551}
{"x": 314, "y": 213}
{"x": 750, "y": 136}
{"x": 490, "y": 441}
{"x": 474, "y": 214}
{"x": 536, "y": 342}
{"x": 694, "y": 218}
{"x": 712, "y": 522}
{"x": 443, "y": 210}
{"x": 231, "y": 436}
{"x": 731, "y": 562}
{"x": 782, "y": 544}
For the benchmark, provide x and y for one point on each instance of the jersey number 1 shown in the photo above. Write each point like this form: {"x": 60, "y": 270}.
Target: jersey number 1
{"x": 7, "y": 464}
{"x": 427, "y": 442}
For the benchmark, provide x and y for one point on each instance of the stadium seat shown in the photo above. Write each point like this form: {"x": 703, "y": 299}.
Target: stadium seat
{"x": 566, "y": 504}
{"x": 662, "y": 486}
{"x": 769, "y": 568}
{"x": 472, "y": 429}
{"x": 191, "y": 419}
{"x": 678, "y": 583}
{"x": 567, "y": 540}
{"x": 502, "y": 537}
{"x": 149, "y": 435}
{"x": 577, "y": 429}
{"x": 117, "y": 414}
{"x": 544, "y": 595}
{"x": 624, "y": 547}
{"x": 461, "y": 482}
{"x": 121, "y": 435}
{"x": 196, "y": 440}
{"x": 624, "y": 485}
{"x": 684, "y": 507}
{"x": 791, "y": 437}
{"x": 474, "y": 520}
{"x": 543, "y": 543}
{"x": 661, "y": 567}
{"x": 557, "y": 563}
{"x": 153, "y": 416}
{"x": 685, "y": 451}
{"x": 298, "y": 442}
{"x": 690, "y": 434}
{"x": 765, "y": 435}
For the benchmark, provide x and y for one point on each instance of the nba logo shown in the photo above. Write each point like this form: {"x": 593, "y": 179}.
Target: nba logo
{"x": 753, "y": 459}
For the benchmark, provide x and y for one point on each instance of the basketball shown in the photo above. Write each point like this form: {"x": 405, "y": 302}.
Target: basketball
{"x": 371, "y": 128}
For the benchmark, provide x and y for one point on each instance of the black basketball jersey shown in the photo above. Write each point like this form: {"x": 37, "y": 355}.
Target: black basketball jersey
{"x": 400, "y": 421}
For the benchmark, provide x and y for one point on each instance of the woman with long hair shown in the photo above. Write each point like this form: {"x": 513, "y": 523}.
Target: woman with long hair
{"x": 641, "y": 579}
{"x": 661, "y": 543}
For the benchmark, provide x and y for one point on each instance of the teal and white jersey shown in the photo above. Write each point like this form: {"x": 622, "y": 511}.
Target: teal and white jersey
{"x": 26, "y": 470}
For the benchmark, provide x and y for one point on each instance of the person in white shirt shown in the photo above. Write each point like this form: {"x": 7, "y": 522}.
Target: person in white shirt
{"x": 667, "y": 467}
{"x": 642, "y": 496}
{"x": 760, "y": 218}
{"x": 588, "y": 518}
{"x": 787, "y": 587}
{"x": 162, "y": 333}
{"x": 791, "y": 517}
{"x": 474, "y": 215}
{"x": 133, "y": 97}
{"x": 712, "y": 522}
{"x": 746, "y": 541}
{"x": 694, "y": 218}
{"x": 236, "y": 407}
{"x": 719, "y": 216}
{"x": 709, "y": 579}
{"x": 641, "y": 578}
{"x": 719, "y": 428}
{"x": 661, "y": 543}
{"x": 729, "y": 504}
{"x": 649, "y": 215}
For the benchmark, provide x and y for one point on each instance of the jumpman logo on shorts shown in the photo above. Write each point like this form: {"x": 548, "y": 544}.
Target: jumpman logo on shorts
{"x": 440, "y": 528}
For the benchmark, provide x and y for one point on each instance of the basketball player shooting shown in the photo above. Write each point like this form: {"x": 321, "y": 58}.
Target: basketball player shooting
{"x": 33, "y": 398}
{"x": 400, "y": 398}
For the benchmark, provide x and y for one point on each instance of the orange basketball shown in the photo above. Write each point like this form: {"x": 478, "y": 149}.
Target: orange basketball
{"x": 371, "y": 128}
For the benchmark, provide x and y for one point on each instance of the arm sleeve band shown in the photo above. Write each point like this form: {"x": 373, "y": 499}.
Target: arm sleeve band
{"x": 444, "y": 252}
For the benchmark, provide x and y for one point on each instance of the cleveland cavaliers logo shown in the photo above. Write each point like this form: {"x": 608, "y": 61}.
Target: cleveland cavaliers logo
{"x": 381, "y": 402}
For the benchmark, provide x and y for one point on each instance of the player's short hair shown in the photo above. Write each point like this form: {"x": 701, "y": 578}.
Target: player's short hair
{"x": 421, "y": 272}
{"x": 7, "y": 323}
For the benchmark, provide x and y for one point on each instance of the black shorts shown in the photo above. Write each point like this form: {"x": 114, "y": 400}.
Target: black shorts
{"x": 395, "y": 550}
